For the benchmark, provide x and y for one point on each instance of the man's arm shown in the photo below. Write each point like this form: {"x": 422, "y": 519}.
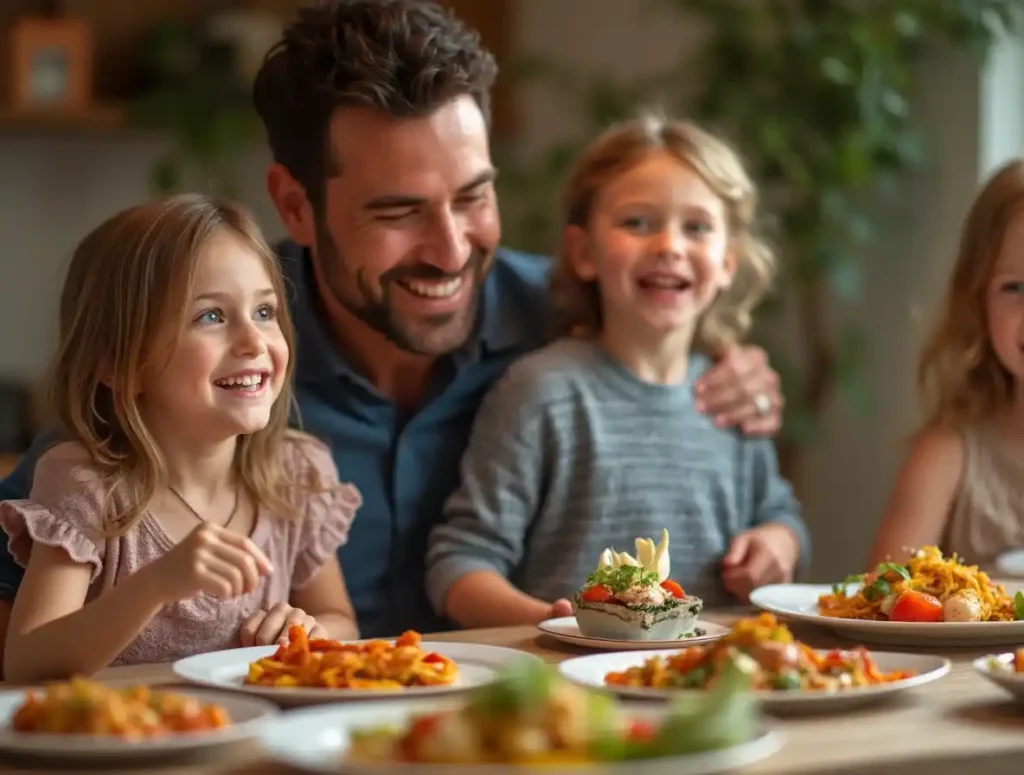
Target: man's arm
{"x": 16, "y": 486}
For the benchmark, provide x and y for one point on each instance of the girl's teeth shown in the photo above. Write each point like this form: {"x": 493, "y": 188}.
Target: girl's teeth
{"x": 247, "y": 381}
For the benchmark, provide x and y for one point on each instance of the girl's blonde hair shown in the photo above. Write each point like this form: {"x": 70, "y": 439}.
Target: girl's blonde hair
{"x": 959, "y": 376}
{"x": 130, "y": 279}
{"x": 619, "y": 149}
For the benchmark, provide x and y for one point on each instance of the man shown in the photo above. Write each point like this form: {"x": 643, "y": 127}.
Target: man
{"x": 407, "y": 310}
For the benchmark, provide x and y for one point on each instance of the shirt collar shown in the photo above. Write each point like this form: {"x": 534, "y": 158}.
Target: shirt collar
{"x": 500, "y": 324}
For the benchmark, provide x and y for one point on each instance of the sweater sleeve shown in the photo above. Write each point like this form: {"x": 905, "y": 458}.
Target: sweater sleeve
{"x": 773, "y": 497}
{"x": 485, "y": 521}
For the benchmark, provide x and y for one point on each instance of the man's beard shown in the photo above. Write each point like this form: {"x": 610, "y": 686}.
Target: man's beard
{"x": 421, "y": 336}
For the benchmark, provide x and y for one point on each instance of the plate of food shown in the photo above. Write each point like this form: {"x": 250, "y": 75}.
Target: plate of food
{"x": 529, "y": 717}
{"x": 79, "y": 719}
{"x": 784, "y": 673}
{"x": 303, "y": 671}
{"x": 1004, "y": 670}
{"x": 631, "y": 603}
{"x": 929, "y": 599}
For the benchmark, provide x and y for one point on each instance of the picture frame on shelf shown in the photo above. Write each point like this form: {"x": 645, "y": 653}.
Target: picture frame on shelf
{"x": 49, "y": 65}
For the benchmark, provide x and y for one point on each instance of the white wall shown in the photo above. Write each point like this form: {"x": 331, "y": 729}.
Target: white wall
{"x": 53, "y": 191}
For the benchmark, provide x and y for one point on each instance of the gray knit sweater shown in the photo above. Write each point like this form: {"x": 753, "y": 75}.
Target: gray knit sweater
{"x": 571, "y": 453}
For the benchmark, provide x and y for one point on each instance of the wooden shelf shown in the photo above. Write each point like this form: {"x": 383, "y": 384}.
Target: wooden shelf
{"x": 97, "y": 119}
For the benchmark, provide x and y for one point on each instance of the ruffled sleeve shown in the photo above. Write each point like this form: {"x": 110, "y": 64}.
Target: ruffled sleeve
{"x": 64, "y": 509}
{"x": 329, "y": 506}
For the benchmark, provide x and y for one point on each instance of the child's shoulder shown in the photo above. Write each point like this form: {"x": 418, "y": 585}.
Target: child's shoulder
{"x": 937, "y": 451}
{"x": 552, "y": 372}
{"x": 67, "y": 466}
{"x": 307, "y": 460}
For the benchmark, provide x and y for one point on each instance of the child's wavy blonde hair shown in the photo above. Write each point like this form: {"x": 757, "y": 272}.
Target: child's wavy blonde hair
{"x": 623, "y": 146}
{"x": 130, "y": 279}
{"x": 959, "y": 376}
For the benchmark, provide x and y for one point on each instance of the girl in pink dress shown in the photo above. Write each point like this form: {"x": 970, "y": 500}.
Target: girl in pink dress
{"x": 179, "y": 514}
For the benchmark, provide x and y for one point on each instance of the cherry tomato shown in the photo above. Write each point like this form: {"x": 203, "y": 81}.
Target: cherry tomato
{"x": 674, "y": 589}
{"x": 914, "y": 606}
{"x": 597, "y": 594}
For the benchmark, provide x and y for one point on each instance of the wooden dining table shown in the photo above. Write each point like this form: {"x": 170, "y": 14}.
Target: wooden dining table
{"x": 959, "y": 725}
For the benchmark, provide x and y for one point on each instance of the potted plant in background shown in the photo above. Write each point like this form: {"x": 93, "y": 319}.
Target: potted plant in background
{"x": 819, "y": 105}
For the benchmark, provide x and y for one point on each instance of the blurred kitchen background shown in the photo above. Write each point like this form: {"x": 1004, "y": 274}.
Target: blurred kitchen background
{"x": 870, "y": 131}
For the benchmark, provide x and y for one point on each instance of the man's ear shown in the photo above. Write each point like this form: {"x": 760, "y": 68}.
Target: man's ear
{"x": 577, "y": 251}
{"x": 292, "y": 204}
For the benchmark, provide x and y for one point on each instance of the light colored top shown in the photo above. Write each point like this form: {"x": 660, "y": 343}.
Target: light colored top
{"x": 65, "y": 511}
{"x": 571, "y": 453}
{"x": 987, "y": 515}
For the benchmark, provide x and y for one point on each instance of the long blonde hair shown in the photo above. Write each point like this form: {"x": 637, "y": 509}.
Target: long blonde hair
{"x": 622, "y": 147}
{"x": 959, "y": 376}
{"x": 128, "y": 280}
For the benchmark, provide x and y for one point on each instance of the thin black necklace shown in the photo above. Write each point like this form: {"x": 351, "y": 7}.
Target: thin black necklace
{"x": 188, "y": 506}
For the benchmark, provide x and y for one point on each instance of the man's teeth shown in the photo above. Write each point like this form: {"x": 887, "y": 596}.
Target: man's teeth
{"x": 434, "y": 290}
{"x": 249, "y": 381}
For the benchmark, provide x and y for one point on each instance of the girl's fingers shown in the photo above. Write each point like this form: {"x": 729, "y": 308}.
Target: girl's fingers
{"x": 241, "y": 560}
{"x": 247, "y": 635}
{"x": 220, "y": 577}
{"x": 245, "y": 544}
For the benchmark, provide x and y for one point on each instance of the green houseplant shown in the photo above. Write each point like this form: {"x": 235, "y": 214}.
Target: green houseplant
{"x": 817, "y": 97}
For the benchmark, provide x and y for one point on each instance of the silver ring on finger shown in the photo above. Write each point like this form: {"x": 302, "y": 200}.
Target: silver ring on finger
{"x": 762, "y": 404}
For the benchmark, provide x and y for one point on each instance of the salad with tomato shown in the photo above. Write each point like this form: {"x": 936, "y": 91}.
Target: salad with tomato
{"x": 532, "y": 716}
{"x": 628, "y": 602}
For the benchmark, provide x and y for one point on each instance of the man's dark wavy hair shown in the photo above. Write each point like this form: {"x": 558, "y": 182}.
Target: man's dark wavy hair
{"x": 404, "y": 58}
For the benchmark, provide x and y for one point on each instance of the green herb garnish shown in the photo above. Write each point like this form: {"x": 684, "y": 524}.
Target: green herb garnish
{"x": 1018, "y": 606}
{"x": 622, "y": 578}
{"x": 893, "y": 567}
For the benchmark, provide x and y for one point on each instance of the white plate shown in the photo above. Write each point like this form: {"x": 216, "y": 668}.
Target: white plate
{"x": 247, "y": 715}
{"x": 566, "y": 630}
{"x": 314, "y": 740}
{"x": 800, "y": 601}
{"x": 590, "y": 671}
{"x": 1004, "y": 677}
{"x": 227, "y": 670}
{"x": 1011, "y": 563}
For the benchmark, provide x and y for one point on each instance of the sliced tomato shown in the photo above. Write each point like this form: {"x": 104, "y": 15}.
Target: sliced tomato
{"x": 597, "y": 594}
{"x": 914, "y": 606}
{"x": 672, "y": 588}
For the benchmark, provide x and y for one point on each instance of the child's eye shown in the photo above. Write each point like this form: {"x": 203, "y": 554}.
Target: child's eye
{"x": 637, "y": 223}
{"x": 209, "y": 316}
{"x": 699, "y": 228}
{"x": 266, "y": 312}
{"x": 1015, "y": 286}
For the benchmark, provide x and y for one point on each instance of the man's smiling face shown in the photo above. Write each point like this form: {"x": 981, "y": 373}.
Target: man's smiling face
{"x": 409, "y": 224}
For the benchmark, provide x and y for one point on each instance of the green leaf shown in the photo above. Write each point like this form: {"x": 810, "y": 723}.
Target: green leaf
{"x": 893, "y": 567}
{"x": 1018, "y": 606}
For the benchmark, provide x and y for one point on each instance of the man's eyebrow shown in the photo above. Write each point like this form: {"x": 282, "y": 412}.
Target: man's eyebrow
{"x": 393, "y": 201}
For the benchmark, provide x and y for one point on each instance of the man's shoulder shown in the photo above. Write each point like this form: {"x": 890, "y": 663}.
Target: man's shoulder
{"x": 517, "y": 303}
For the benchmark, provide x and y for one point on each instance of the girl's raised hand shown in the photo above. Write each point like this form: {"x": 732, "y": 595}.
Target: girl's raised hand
{"x": 212, "y": 560}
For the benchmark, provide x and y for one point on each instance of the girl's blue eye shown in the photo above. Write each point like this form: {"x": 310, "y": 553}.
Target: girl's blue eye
{"x": 210, "y": 316}
{"x": 698, "y": 227}
{"x": 266, "y": 312}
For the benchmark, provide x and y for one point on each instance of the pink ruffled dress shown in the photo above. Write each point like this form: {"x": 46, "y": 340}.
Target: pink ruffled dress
{"x": 64, "y": 508}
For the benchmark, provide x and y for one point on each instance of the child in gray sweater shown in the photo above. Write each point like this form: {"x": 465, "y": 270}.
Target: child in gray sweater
{"x": 597, "y": 439}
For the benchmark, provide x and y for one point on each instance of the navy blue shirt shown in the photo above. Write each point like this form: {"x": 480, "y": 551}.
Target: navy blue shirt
{"x": 404, "y": 463}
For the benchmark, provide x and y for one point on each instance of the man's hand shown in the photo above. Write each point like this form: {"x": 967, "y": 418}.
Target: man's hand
{"x": 762, "y": 555}
{"x": 742, "y": 390}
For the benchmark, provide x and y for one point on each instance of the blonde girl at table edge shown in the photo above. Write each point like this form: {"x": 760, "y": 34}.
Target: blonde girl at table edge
{"x": 181, "y": 515}
{"x": 597, "y": 438}
{"x": 961, "y": 486}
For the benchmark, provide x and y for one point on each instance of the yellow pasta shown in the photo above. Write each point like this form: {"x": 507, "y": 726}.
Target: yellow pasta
{"x": 926, "y": 572}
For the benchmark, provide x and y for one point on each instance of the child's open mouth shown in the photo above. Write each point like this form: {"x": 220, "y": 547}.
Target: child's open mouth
{"x": 244, "y": 382}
